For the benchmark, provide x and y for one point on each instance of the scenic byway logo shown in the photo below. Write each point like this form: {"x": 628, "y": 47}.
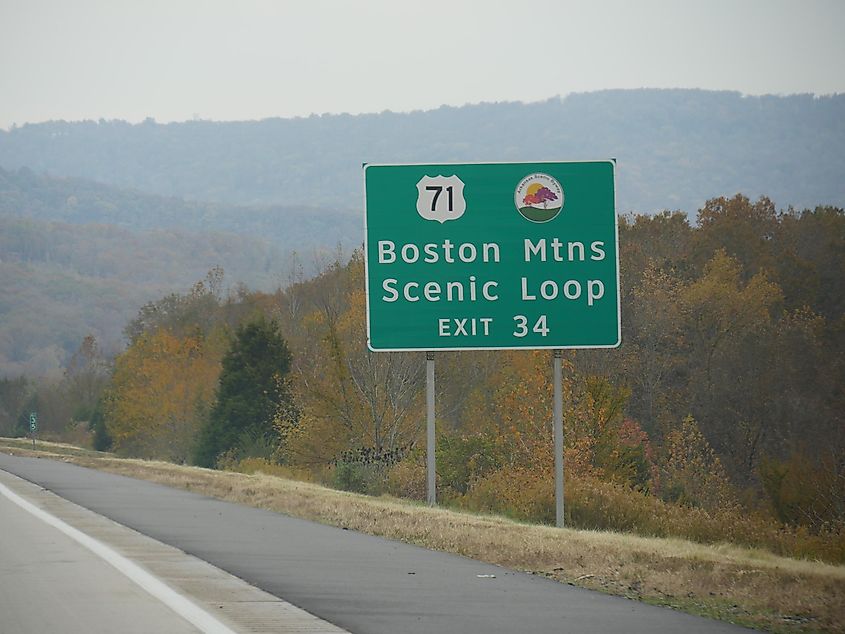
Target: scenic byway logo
{"x": 441, "y": 198}
{"x": 538, "y": 197}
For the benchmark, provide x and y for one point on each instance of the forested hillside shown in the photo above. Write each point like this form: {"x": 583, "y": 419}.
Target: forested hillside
{"x": 99, "y": 217}
{"x": 675, "y": 148}
{"x": 77, "y": 201}
{"x": 78, "y": 258}
{"x": 718, "y": 419}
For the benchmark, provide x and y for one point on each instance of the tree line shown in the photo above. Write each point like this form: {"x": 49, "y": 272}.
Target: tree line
{"x": 719, "y": 417}
{"x": 78, "y": 257}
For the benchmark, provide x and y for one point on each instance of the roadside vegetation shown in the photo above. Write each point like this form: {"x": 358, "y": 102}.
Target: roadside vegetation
{"x": 751, "y": 587}
{"x": 718, "y": 421}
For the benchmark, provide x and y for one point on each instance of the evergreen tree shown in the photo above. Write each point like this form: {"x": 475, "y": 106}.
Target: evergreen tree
{"x": 13, "y": 395}
{"x": 97, "y": 423}
{"x": 248, "y": 396}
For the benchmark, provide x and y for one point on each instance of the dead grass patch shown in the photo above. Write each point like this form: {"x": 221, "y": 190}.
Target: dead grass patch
{"x": 746, "y": 586}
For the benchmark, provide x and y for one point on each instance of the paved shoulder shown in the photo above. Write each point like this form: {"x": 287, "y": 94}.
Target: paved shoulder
{"x": 50, "y": 583}
{"x": 64, "y": 568}
{"x": 362, "y": 583}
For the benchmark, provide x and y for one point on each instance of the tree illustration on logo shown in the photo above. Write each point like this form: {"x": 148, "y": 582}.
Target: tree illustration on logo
{"x": 539, "y": 195}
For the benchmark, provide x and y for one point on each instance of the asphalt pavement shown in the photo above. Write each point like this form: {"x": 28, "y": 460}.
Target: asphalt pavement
{"x": 364, "y": 584}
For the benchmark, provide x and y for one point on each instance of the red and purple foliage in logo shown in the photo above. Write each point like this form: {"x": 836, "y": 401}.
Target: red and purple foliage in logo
{"x": 540, "y": 196}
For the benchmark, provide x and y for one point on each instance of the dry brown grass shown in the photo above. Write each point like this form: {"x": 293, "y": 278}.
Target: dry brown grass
{"x": 750, "y": 587}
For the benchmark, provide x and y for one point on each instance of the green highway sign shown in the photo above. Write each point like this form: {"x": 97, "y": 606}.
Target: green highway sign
{"x": 492, "y": 256}
{"x": 33, "y": 421}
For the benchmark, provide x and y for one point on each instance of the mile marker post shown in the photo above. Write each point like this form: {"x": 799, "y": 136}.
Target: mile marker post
{"x": 429, "y": 405}
{"x": 558, "y": 416}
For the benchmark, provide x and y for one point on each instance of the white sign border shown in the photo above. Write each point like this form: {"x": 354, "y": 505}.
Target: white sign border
{"x": 611, "y": 161}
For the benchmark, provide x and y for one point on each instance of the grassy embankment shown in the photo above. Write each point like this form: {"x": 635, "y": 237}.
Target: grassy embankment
{"x": 746, "y": 586}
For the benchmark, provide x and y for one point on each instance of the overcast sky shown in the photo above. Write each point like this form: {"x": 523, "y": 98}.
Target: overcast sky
{"x": 248, "y": 59}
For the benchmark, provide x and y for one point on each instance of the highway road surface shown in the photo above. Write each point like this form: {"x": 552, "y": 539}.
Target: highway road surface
{"x": 66, "y": 569}
{"x": 360, "y": 583}
{"x": 51, "y": 583}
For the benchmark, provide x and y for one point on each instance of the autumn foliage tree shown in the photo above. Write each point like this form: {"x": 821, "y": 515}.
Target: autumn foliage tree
{"x": 692, "y": 473}
{"x": 358, "y": 406}
{"x": 715, "y": 409}
{"x": 159, "y": 387}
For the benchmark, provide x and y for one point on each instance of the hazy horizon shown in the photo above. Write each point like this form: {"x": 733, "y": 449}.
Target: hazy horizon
{"x": 413, "y": 110}
{"x": 121, "y": 60}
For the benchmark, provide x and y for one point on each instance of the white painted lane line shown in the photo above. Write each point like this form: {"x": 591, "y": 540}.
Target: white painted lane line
{"x": 160, "y": 590}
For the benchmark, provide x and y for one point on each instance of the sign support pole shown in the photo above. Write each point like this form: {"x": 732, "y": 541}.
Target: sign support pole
{"x": 558, "y": 423}
{"x": 429, "y": 404}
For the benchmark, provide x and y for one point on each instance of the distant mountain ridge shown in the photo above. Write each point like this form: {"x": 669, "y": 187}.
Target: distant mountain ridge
{"x": 79, "y": 258}
{"x": 676, "y": 148}
{"x": 79, "y": 201}
{"x": 97, "y": 218}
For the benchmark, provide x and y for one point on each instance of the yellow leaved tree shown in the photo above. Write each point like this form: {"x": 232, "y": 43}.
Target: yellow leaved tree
{"x": 160, "y": 391}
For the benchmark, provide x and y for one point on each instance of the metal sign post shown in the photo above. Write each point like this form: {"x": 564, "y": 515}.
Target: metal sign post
{"x": 430, "y": 440}
{"x": 558, "y": 421}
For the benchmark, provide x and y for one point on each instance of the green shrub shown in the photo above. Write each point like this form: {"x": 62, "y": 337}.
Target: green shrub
{"x": 462, "y": 460}
{"x": 359, "y": 478}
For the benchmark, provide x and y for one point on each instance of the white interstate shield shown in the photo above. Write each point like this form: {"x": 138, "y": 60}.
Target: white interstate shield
{"x": 441, "y": 198}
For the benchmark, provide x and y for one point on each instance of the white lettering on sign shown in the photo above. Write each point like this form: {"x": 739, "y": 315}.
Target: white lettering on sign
{"x": 561, "y": 251}
{"x": 521, "y": 326}
{"x": 571, "y": 289}
{"x": 456, "y": 291}
{"x": 386, "y": 252}
{"x": 468, "y": 327}
{"x": 432, "y": 252}
{"x": 410, "y": 253}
